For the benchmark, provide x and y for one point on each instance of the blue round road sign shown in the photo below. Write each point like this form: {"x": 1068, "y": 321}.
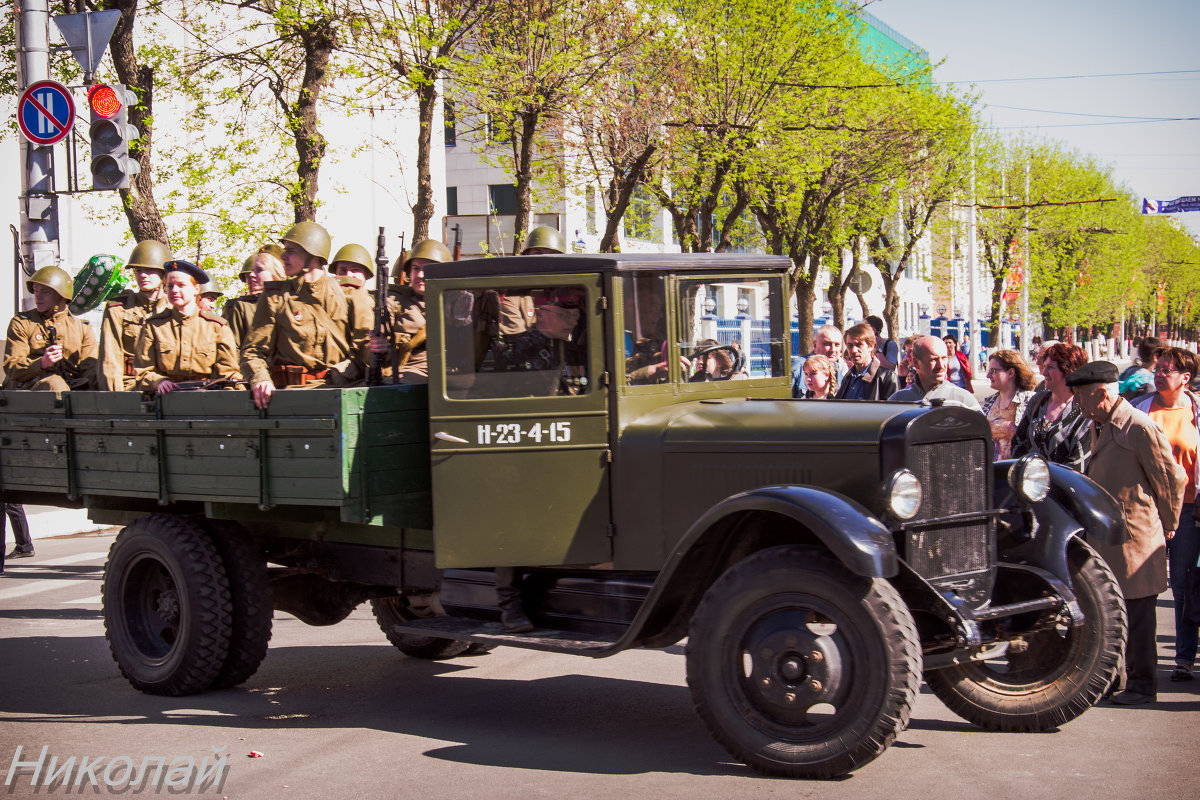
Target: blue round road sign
{"x": 46, "y": 112}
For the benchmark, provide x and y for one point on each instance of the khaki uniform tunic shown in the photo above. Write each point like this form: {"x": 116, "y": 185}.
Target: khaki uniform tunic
{"x": 408, "y": 318}
{"x": 239, "y": 313}
{"x": 286, "y": 330}
{"x": 123, "y": 320}
{"x": 28, "y": 338}
{"x": 178, "y": 348}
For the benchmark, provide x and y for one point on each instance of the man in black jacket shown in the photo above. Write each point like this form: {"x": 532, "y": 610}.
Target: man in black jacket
{"x": 867, "y": 378}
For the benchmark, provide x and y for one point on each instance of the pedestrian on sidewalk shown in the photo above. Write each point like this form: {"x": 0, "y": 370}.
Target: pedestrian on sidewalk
{"x": 1132, "y": 461}
{"x": 20, "y": 525}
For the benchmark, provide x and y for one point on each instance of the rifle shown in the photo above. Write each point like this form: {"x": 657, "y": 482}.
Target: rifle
{"x": 383, "y": 316}
{"x": 457, "y": 241}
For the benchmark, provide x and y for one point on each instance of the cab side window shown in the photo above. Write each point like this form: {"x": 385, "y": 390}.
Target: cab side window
{"x": 645, "y": 298}
{"x": 527, "y": 342}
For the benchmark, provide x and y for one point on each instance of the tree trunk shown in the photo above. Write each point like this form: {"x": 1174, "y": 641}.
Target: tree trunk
{"x": 141, "y": 209}
{"x": 319, "y": 39}
{"x": 838, "y": 286}
{"x": 621, "y": 190}
{"x": 523, "y": 168}
{"x": 422, "y": 210}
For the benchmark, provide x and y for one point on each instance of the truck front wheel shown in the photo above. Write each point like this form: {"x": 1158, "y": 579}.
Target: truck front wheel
{"x": 167, "y": 606}
{"x": 390, "y": 611}
{"x": 1055, "y": 675}
{"x": 801, "y": 668}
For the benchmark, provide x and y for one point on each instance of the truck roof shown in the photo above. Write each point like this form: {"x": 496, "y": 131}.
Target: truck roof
{"x": 608, "y": 262}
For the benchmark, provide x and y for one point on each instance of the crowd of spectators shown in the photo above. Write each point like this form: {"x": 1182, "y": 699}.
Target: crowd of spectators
{"x": 1136, "y": 433}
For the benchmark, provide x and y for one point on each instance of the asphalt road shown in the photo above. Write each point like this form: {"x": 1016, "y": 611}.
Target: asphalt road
{"x": 337, "y": 712}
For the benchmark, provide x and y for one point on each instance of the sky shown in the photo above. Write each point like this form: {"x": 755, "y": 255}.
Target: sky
{"x": 1007, "y": 50}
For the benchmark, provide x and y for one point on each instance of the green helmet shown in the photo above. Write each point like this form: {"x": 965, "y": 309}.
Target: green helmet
{"x": 545, "y": 237}
{"x": 273, "y": 248}
{"x": 52, "y": 278}
{"x": 428, "y": 249}
{"x": 150, "y": 254}
{"x": 247, "y": 267}
{"x": 355, "y": 254}
{"x": 311, "y": 237}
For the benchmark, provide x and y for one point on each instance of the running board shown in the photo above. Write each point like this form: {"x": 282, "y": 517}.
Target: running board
{"x": 473, "y": 630}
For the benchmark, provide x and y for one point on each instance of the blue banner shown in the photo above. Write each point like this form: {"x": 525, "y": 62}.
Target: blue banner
{"x": 1176, "y": 206}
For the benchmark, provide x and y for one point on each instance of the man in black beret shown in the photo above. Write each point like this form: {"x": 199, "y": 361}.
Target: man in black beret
{"x": 1149, "y": 488}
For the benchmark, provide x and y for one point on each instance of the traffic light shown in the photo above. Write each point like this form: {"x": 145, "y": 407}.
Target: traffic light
{"x": 111, "y": 133}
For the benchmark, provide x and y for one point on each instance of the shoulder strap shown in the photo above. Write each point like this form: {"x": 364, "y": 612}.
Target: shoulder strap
{"x": 339, "y": 337}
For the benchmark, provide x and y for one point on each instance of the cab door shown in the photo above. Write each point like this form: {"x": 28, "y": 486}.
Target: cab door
{"x": 518, "y": 421}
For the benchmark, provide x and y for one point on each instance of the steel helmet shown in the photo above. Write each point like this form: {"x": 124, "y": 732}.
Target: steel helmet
{"x": 247, "y": 267}
{"x": 52, "y": 278}
{"x": 546, "y": 237}
{"x": 274, "y": 248}
{"x": 428, "y": 249}
{"x": 150, "y": 254}
{"x": 355, "y": 254}
{"x": 311, "y": 238}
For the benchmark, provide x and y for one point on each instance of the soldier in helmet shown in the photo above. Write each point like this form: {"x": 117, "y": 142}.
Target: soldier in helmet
{"x": 304, "y": 332}
{"x": 259, "y": 268}
{"x": 353, "y": 264}
{"x": 47, "y": 348}
{"x": 209, "y": 295}
{"x": 184, "y": 342}
{"x": 406, "y": 304}
{"x": 125, "y": 314}
{"x": 544, "y": 240}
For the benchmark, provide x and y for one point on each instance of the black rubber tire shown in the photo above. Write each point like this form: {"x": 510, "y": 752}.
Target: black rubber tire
{"x": 167, "y": 606}
{"x": 250, "y": 591}
{"x": 781, "y": 619}
{"x": 389, "y": 611}
{"x": 1061, "y": 674}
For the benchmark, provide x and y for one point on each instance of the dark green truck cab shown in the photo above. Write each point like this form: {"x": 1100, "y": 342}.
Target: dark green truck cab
{"x": 621, "y": 430}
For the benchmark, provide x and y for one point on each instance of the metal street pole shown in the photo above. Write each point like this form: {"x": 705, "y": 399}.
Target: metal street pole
{"x": 972, "y": 316}
{"x": 1026, "y": 275}
{"x": 39, "y": 205}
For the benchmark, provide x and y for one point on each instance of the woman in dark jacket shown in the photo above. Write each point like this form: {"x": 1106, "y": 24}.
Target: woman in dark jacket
{"x": 1053, "y": 424}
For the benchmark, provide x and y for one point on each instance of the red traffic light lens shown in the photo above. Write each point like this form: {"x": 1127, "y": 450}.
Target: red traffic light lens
{"x": 104, "y": 101}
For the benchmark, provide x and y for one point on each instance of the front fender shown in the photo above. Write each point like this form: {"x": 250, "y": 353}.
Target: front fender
{"x": 847, "y": 529}
{"x": 1076, "y": 505}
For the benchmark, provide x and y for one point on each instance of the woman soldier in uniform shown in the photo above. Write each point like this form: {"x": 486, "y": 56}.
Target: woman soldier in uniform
{"x": 183, "y": 342}
{"x": 304, "y": 331}
{"x": 127, "y": 312}
{"x": 259, "y": 268}
{"x": 47, "y": 348}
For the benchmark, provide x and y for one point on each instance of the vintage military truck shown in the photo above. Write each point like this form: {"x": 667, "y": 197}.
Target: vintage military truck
{"x": 620, "y": 429}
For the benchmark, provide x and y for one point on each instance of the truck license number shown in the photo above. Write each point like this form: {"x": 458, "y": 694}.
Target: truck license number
{"x": 513, "y": 433}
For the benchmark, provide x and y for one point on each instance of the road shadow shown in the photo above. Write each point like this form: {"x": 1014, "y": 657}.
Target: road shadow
{"x": 568, "y": 723}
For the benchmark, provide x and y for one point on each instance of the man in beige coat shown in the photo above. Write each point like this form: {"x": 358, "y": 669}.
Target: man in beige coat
{"x": 1131, "y": 459}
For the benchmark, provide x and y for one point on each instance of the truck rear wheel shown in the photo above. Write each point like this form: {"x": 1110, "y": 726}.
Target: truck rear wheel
{"x": 1058, "y": 674}
{"x": 390, "y": 611}
{"x": 801, "y": 668}
{"x": 250, "y": 593}
{"x": 167, "y": 606}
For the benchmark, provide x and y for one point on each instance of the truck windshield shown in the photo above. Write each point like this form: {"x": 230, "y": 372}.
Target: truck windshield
{"x": 730, "y": 328}
{"x": 527, "y": 342}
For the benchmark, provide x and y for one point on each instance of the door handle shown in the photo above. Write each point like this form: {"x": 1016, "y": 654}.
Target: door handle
{"x": 446, "y": 437}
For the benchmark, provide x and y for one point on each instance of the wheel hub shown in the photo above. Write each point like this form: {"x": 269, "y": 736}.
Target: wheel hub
{"x": 792, "y": 668}
{"x": 166, "y": 605}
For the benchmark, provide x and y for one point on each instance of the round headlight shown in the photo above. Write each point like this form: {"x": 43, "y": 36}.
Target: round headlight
{"x": 904, "y": 494}
{"x": 1030, "y": 478}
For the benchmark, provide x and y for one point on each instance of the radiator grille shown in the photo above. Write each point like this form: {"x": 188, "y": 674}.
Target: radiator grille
{"x": 954, "y": 477}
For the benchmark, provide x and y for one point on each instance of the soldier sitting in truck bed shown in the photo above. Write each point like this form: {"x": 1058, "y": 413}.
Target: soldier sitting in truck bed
{"x": 47, "y": 348}
{"x": 304, "y": 331}
{"x": 127, "y": 312}
{"x": 184, "y": 344}
{"x": 406, "y": 304}
{"x": 259, "y": 268}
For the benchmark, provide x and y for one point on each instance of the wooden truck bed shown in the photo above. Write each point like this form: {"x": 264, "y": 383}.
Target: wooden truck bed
{"x": 361, "y": 455}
